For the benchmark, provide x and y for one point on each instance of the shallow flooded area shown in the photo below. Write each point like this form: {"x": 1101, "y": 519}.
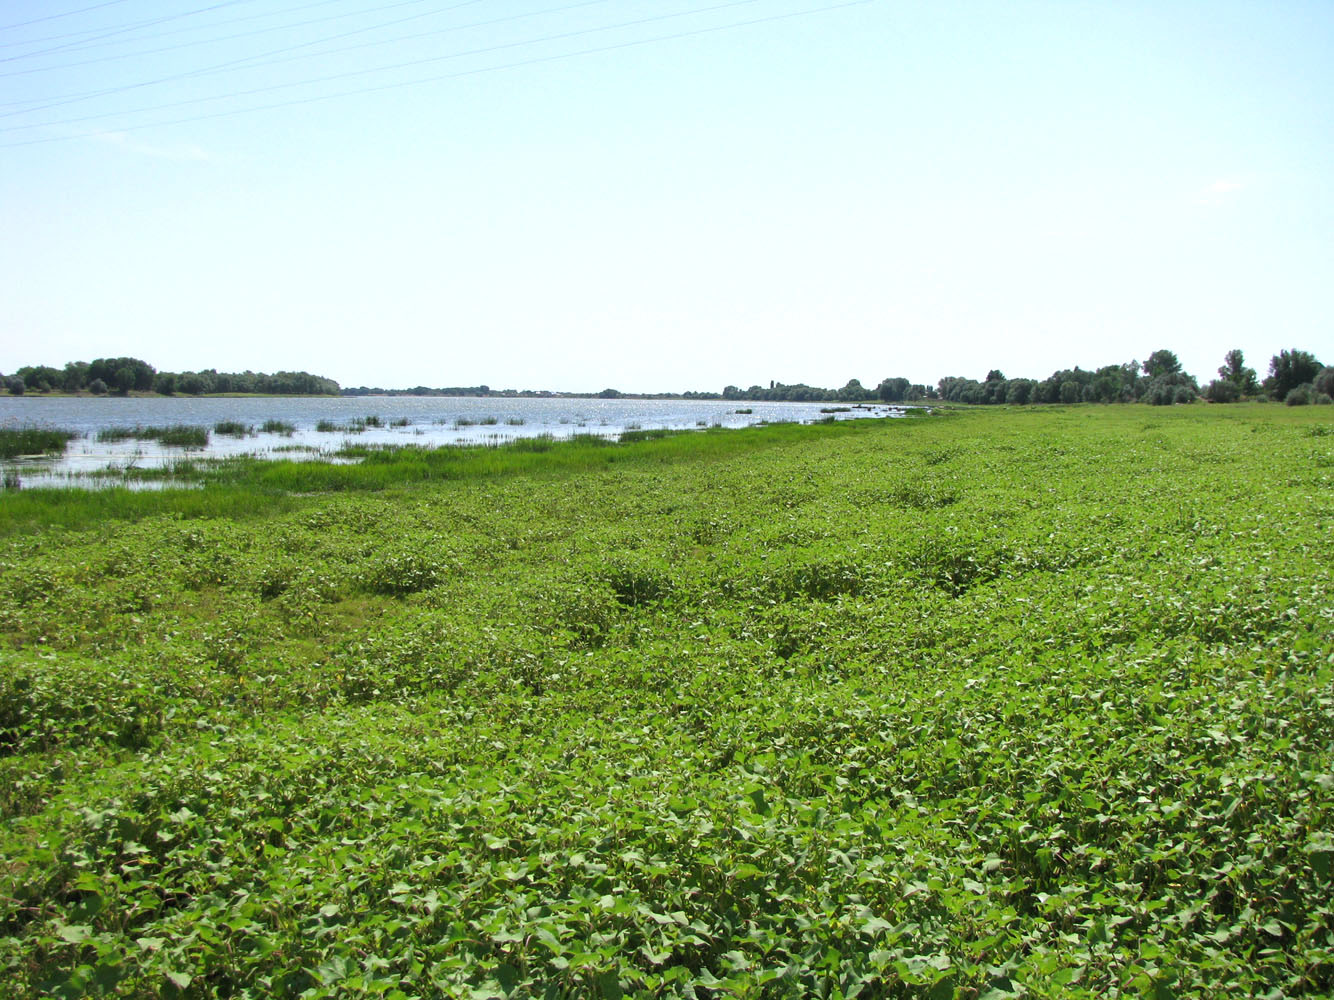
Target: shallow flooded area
{"x": 115, "y": 438}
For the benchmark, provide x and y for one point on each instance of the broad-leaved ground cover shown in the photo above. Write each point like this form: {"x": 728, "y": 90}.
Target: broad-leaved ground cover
{"x": 991, "y": 704}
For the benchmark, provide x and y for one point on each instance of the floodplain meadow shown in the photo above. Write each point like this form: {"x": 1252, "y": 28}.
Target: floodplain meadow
{"x": 1011, "y": 703}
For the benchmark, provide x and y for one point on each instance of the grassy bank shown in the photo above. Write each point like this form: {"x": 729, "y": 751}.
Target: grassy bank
{"x": 999, "y": 704}
{"x": 236, "y": 485}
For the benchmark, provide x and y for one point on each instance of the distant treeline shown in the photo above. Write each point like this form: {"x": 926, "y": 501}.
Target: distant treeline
{"x": 1295, "y": 377}
{"x": 121, "y": 376}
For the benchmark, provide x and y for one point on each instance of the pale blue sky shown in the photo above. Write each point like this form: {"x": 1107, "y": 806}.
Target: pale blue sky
{"x": 719, "y": 193}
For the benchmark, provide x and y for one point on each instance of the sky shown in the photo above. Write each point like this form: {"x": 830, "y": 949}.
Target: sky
{"x": 661, "y": 195}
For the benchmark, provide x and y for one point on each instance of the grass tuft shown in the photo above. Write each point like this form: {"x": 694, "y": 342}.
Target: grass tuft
{"x": 16, "y": 441}
{"x": 174, "y": 435}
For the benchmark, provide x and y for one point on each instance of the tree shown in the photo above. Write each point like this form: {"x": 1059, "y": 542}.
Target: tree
{"x": 43, "y": 378}
{"x": 1234, "y": 370}
{"x": 854, "y": 392}
{"x": 123, "y": 374}
{"x": 97, "y": 387}
{"x": 1288, "y": 370}
{"x": 1162, "y": 362}
{"x": 123, "y": 380}
{"x": 15, "y": 385}
{"x": 1019, "y": 391}
{"x": 893, "y": 390}
{"x": 75, "y": 376}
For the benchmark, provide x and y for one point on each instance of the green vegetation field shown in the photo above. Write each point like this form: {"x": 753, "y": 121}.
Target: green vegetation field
{"x": 994, "y": 704}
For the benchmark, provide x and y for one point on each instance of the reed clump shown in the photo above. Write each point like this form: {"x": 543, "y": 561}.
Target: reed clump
{"x": 172, "y": 436}
{"x": 16, "y": 441}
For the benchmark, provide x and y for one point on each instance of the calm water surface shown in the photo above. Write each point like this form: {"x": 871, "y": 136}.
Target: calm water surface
{"x": 429, "y": 421}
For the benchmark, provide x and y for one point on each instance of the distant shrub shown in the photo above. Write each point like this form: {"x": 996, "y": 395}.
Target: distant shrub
{"x": 1300, "y": 395}
{"x": 97, "y": 387}
{"x": 1324, "y": 381}
{"x": 1324, "y": 399}
{"x": 1222, "y": 391}
{"x": 15, "y": 385}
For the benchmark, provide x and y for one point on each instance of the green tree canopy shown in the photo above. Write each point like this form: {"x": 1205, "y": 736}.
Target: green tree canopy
{"x": 1234, "y": 370}
{"x": 893, "y": 390}
{"x": 1162, "y": 362}
{"x": 1290, "y": 369}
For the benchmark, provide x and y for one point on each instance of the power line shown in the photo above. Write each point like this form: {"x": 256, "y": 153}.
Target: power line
{"x": 255, "y": 61}
{"x": 255, "y": 64}
{"x": 382, "y": 69}
{"x": 161, "y": 34}
{"x": 67, "y": 13}
{"x": 536, "y": 60}
{"x": 152, "y": 22}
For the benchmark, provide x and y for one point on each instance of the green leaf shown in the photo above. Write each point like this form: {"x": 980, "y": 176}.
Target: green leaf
{"x": 508, "y": 977}
{"x": 75, "y": 933}
{"x": 1322, "y": 861}
{"x": 609, "y": 985}
{"x": 876, "y": 925}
